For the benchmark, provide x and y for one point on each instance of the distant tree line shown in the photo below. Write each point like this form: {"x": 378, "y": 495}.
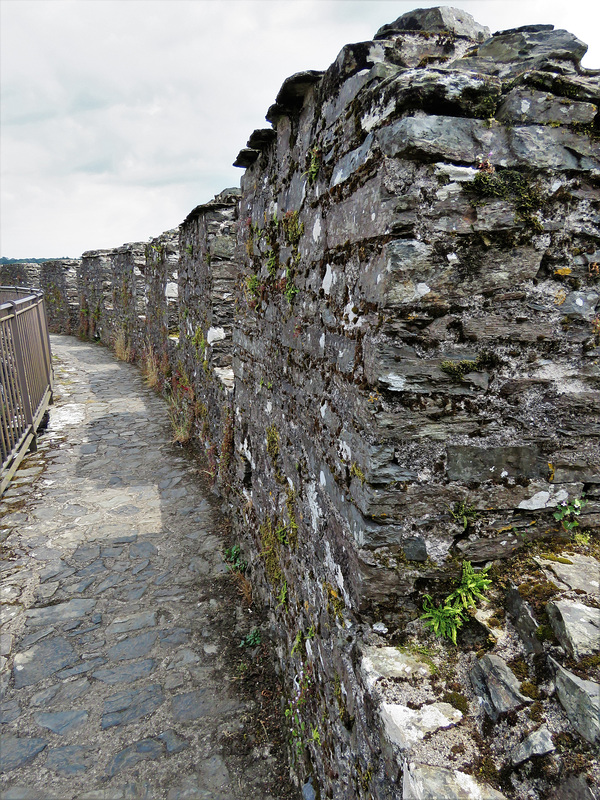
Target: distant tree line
{"x": 5, "y": 260}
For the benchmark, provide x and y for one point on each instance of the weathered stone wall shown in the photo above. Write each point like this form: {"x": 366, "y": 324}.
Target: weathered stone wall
{"x": 416, "y": 341}
{"x": 25, "y": 274}
{"x": 393, "y": 376}
{"x": 58, "y": 280}
{"x": 95, "y": 295}
{"x": 162, "y": 291}
{"x": 207, "y": 277}
{"x": 128, "y": 299}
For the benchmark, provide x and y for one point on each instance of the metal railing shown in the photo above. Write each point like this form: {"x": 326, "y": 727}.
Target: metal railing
{"x": 26, "y": 377}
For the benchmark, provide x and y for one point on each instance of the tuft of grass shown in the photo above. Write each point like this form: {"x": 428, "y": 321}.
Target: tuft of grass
{"x": 122, "y": 348}
{"x": 244, "y": 587}
{"x": 150, "y": 368}
{"x": 182, "y": 422}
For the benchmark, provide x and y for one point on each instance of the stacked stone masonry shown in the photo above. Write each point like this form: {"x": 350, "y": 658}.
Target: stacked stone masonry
{"x": 386, "y": 347}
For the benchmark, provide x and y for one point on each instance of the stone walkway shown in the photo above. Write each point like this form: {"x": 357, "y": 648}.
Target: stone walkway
{"x": 118, "y": 615}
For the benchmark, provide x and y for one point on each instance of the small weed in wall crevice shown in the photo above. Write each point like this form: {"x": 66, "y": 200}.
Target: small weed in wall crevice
{"x": 446, "y": 619}
{"x": 463, "y": 513}
{"x": 293, "y": 712}
{"x": 237, "y": 567}
{"x": 282, "y": 596}
{"x": 233, "y": 558}
{"x": 182, "y": 403}
{"x": 199, "y": 341}
{"x": 150, "y": 368}
{"x": 567, "y": 513}
{"x": 252, "y": 639}
{"x": 314, "y": 165}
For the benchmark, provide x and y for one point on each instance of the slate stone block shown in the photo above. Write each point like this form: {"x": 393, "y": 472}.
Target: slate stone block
{"x": 125, "y": 673}
{"x": 422, "y": 781}
{"x": 70, "y": 759}
{"x": 576, "y": 626}
{"x": 467, "y": 463}
{"x": 16, "y": 752}
{"x": 9, "y": 711}
{"x": 191, "y": 705}
{"x": 581, "y": 701}
{"x": 62, "y": 612}
{"x": 539, "y": 743}
{"x": 144, "y": 750}
{"x": 132, "y": 646}
{"x": 133, "y": 622}
{"x": 129, "y": 706}
{"x": 61, "y": 722}
{"x": 496, "y": 684}
{"x": 174, "y": 743}
{"x": 43, "y": 660}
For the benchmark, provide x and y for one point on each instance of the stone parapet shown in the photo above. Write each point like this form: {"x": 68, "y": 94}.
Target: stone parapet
{"x": 386, "y": 346}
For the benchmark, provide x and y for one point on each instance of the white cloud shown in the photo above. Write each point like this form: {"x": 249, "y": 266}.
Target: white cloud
{"x": 119, "y": 116}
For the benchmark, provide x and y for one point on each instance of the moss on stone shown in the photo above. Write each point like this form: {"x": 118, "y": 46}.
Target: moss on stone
{"x": 272, "y": 442}
{"x": 335, "y": 604}
{"x": 529, "y": 690}
{"x": 536, "y": 711}
{"x": 519, "y": 667}
{"x": 458, "y": 369}
{"x": 290, "y": 502}
{"x": 356, "y": 472}
{"x": 544, "y": 633}
{"x": 270, "y": 552}
{"x": 538, "y": 593}
{"x": 457, "y": 700}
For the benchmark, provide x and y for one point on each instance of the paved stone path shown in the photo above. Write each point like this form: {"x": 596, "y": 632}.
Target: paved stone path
{"x": 118, "y": 612}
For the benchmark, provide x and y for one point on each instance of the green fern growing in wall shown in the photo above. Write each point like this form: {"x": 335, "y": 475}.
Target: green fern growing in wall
{"x": 314, "y": 165}
{"x": 446, "y": 619}
{"x": 472, "y": 586}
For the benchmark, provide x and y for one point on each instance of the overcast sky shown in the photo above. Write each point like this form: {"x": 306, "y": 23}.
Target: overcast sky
{"x": 119, "y": 116}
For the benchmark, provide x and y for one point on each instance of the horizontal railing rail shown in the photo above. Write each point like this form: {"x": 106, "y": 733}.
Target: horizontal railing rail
{"x": 26, "y": 377}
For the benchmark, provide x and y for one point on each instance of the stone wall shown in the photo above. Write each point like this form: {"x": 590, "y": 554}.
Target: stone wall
{"x": 58, "y": 280}
{"x": 128, "y": 299}
{"x": 95, "y": 295}
{"x": 416, "y": 341}
{"x": 386, "y": 348}
{"x": 161, "y": 293}
{"x": 208, "y": 273}
{"x": 24, "y": 274}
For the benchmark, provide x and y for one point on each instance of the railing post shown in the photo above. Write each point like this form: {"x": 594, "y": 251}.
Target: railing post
{"x": 25, "y": 399}
{"x": 23, "y": 372}
{"x": 43, "y": 337}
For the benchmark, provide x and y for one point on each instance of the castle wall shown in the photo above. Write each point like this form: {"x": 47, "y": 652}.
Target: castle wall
{"x": 386, "y": 349}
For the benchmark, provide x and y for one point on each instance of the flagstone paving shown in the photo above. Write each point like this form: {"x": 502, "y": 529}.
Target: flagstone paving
{"x": 118, "y": 614}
